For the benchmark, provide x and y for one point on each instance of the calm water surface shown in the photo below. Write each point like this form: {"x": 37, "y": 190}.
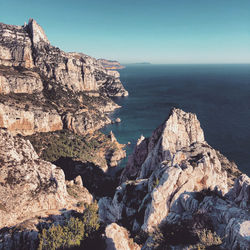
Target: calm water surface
{"x": 218, "y": 94}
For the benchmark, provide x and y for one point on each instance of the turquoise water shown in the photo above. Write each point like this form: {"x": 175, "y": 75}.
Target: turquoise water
{"x": 218, "y": 94}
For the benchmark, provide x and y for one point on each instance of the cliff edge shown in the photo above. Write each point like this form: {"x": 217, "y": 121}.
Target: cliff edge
{"x": 43, "y": 88}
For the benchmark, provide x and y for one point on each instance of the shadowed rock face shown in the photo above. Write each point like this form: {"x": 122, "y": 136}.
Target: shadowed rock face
{"x": 169, "y": 171}
{"x": 56, "y": 79}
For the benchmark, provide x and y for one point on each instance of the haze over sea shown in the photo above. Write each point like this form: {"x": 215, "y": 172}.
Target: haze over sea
{"x": 218, "y": 94}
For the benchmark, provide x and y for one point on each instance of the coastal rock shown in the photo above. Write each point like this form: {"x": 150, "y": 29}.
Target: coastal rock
{"x": 110, "y": 64}
{"x": 117, "y": 238}
{"x": 84, "y": 121}
{"x": 179, "y": 130}
{"x": 172, "y": 173}
{"x": 135, "y": 160}
{"x": 116, "y": 153}
{"x": 74, "y": 86}
{"x": 117, "y": 120}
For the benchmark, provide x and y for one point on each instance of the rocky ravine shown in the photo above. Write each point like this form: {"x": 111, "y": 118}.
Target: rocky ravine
{"x": 43, "y": 88}
{"x": 175, "y": 177}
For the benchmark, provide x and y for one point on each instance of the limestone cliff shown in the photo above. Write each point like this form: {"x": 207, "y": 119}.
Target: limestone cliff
{"x": 72, "y": 88}
{"x": 110, "y": 64}
{"x": 174, "y": 177}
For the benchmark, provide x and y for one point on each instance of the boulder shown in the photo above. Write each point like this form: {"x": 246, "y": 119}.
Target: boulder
{"x": 117, "y": 238}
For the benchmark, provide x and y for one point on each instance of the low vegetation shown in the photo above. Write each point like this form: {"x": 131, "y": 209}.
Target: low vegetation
{"x": 52, "y": 146}
{"x": 196, "y": 234}
{"x": 82, "y": 232}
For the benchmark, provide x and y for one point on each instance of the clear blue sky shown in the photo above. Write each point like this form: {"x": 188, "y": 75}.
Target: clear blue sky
{"x": 157, "y": 31}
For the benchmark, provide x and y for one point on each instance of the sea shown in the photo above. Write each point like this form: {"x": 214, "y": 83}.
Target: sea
{"x": 218, "y": 94}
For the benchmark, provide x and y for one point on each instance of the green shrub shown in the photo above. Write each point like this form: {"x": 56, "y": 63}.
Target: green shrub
{"x": 73, "y": 233}
{"x": 208, "y": 238}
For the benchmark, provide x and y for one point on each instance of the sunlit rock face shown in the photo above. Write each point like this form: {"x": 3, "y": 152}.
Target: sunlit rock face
{"x": 117, "y": 238}
{"x": 31, "y": 187}
{"x": 168, "y": 172}
{"x": 74, "y": 87}
{"x": 28, "y": 184}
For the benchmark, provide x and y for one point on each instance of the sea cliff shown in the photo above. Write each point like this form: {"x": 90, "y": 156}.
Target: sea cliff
{"x": 46, "y": 89}
{"x": 176, "y": 191}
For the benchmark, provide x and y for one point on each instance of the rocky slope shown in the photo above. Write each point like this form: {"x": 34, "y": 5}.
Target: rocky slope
{"x": 43, "y": 88}
{"x": 29, "y": 185}
{"x": 175, "y": 177}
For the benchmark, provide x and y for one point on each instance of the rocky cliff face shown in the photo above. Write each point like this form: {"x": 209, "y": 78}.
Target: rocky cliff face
{"x": 29, "y": 185}
{"x": 166, "y": 181}
{"x": 109, "y": 64}
{"x": 74, "y": 88}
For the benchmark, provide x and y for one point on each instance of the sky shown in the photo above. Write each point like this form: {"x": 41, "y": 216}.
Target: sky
{"x": 155, "y": 31}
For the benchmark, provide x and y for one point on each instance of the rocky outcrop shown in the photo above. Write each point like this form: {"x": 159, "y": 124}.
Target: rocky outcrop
{"x": 61, "y": 81}
{"x": 109, "y": 64}
{"x": 169, "y": 171}
{"x": 117, "y": 153}
{"x": 15, "y": 47}
{"x": 13, "y": 81}
{"x": 117, "y": 238}
{"x": 179, "y": 130}
{"x": 28, "y": 120}
{"x": 29, "y": 186}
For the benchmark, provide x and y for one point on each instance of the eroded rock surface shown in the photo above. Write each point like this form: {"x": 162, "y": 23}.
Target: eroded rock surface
{"x": 117, "y": 238}
{"x": 166, "y": 176}
{"x": 29, "y": 186}
{"x": 75, "y": 86}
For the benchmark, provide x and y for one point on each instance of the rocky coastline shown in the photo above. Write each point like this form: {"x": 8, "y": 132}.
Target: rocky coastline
{"x": 176, "y": 191}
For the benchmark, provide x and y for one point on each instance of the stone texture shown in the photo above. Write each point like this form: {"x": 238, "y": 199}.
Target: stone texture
{"x": 179, "y": 130}
{"x": 18, "y": 119}
{"x": 108, "y": 64}
{"x": 15, "y": 46}
{"x": 117, "y": 238}
{"x": 74, "y": 86}
{"x": 169, "y": 169}
{"x": 29, "y": 186}
{"x": 36, "y": 32}
{"x": 12, "y": 81}
{"x": 116, "y": 153}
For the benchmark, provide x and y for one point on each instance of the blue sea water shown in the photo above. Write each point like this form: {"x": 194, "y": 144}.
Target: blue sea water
{"x": 218, "y": 94}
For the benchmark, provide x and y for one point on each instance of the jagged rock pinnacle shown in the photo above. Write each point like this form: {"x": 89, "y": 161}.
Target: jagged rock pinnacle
{"x": 37, "y": 33}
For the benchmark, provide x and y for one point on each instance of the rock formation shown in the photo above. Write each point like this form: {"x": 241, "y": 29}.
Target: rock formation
{"x": 117, "y": 238}
{"x": 110, "y": 64}
{"x": 73, "y": 89}
{"x": 29, "y": 185}
{"x": 168, "y": 172}
{"x": 31, "y": 190}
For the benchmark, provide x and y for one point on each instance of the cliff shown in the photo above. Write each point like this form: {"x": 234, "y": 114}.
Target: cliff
{"x": 109, "y": 64}
{"x": 176, "y": 183}
{"x": 43, "y": 88}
